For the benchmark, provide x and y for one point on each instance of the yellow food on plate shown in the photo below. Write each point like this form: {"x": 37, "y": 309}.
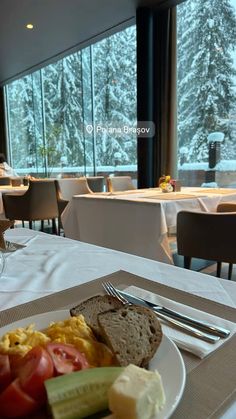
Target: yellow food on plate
{"x": 22, "y": 340}
{"x": 75, "y": 331}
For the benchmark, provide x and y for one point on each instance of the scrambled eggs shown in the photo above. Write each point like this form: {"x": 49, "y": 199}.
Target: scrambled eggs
{"x": 76, "y": 332}
{"x": 73, "y": 331}
{"x": 22, "y": 340}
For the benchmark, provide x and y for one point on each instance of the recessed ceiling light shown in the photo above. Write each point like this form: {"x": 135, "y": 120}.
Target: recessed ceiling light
{"x": 30, "y": 26}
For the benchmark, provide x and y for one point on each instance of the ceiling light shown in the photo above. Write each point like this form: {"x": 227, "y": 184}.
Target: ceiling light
{"x": 29, "y": 26}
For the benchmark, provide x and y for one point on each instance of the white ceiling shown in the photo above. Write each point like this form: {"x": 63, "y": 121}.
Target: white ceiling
{"x": 59, "y": 25}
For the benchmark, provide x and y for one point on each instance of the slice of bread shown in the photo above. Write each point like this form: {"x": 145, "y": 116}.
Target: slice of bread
{"x": 132, "y": 332}
{"x": 92, "y": 307}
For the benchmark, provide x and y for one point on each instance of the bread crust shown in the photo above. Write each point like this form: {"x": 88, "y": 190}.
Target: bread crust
{"x": 91, "y": 307}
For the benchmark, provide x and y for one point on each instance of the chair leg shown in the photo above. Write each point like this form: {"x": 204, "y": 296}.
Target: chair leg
{"x": 30, "y": 225}
{"x": 42, "y": 225}
{"x": 218, "y": 271}
{"x": 59, "y": 225}
{"x": 230, "y": 270}
{"x": 54, "y": 226}
{"x": 23, "y": 223}
{"x": 187, "y": 262}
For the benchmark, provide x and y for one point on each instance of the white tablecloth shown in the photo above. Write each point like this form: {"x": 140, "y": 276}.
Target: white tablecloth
{"x": 51, "y": 263}
{"x": 135, "y": 222}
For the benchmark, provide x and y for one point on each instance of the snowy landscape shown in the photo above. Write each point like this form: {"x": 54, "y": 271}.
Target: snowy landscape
{"x": 206, "y": 76}
{"x": 49, "y": 111}
{"x": 53, "y": 113}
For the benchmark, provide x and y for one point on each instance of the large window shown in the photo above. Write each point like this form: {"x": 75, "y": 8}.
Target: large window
{"x": 69, "y": 116}
{"x": 207, "y": 92}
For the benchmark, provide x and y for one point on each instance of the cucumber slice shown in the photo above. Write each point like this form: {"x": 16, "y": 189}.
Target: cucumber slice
{"x": 80, "y": 393}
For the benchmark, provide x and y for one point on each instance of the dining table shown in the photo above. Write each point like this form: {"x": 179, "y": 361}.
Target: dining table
{"x": 42, "y": 273}
{"x": 137, "y": 221}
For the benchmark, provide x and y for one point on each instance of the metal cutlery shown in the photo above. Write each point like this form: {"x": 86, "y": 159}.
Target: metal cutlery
{"x": 205, "y": 326}
{"x": 111, "y": 290}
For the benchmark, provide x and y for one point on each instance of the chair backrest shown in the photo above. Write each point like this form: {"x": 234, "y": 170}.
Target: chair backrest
{"x": 16, "y": 181}
{"x": 42, "y": 199}
{"x": 119, "y": 183}
{"x": 208, "y": 236}
{"x": 226, "y": 207}
{"x": 4, "y": 180}
{"x": 96, "y": 183}
{"x": 68, "y": 187}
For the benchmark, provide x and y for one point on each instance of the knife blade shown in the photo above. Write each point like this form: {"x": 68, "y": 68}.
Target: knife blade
{"x": 200, "y": 324}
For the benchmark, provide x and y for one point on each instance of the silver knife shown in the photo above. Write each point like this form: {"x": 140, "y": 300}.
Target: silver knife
{"x": 200, "y": 324}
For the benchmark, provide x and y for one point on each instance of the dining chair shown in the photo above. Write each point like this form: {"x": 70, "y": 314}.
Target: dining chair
{"x": 227, "y": 207}
{"x": 16, "y": 181}
{"x": 66, "y": 188}
{"x": 209, "y": 236}
{"x": 96, "y": 183}
{"x": 5, "y": 180}
{"x": 39, "y": 202}
{"x": 119, "y": 183}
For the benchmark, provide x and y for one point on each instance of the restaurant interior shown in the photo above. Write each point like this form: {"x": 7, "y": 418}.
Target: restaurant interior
{"x": 117, "y": 209}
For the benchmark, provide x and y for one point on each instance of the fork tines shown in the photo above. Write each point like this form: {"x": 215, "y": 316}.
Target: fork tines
{"x": 111, "y": 290}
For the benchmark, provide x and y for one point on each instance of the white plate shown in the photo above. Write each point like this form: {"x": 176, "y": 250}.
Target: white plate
{"x": 168, "y": 360}
{"x": 169, "y": 363}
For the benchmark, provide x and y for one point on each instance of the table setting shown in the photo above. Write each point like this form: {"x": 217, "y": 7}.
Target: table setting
{"x": 197, "y": 360}
{"x": 48, "y": 289}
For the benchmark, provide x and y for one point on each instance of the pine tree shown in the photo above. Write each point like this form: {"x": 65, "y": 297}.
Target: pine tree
{"x": 115, "y": 96}
{"x": 205, "y": 74}
{"x": 62, "y": 83}
{"x": 24, "y": 120}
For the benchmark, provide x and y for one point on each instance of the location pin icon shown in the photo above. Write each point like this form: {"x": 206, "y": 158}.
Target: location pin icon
{"x": 89, "y": 129}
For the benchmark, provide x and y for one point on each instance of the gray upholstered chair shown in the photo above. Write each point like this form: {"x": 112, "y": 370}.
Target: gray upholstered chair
{"x": 209, "y": 236}
{"x": 96, "y": 183}
{"x": 39, "y": 202}
{"x": 119, "y": 183}
{"x": 227, "y": 207}
{"x": 66, "y": 188}
{"x": 5, "y": 180}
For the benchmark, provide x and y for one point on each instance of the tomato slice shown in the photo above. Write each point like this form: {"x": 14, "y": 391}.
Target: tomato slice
{"x": 5, "y": 372}
{"x": 66, "y": 358}
{"x": 15, "y": 403}
{"x": 15, "y": 361}
{"x": 35, "y": 367}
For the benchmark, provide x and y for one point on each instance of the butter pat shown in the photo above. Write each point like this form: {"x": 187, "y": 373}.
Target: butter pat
{"x": 136, "y": 394}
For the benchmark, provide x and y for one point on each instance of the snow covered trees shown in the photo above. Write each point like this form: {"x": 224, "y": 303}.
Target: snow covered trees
{"x": 206, "y": 75}
{"x": 49, "y": 109}
{"x": 115, "y": 96}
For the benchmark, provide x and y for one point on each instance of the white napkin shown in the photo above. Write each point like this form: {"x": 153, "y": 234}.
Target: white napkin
{"x": 183, "y": 340}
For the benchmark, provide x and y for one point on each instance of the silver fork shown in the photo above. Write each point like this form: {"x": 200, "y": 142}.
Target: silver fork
{"x": 111, "y": 290}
